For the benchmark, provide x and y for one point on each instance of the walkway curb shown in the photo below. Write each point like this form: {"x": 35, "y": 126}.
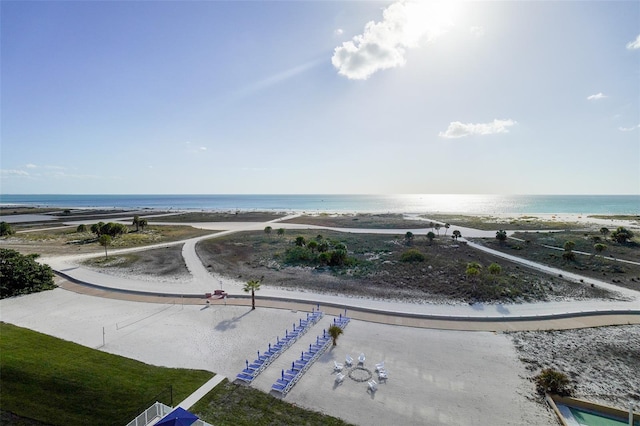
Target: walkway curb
{"x": 496, "y": 324}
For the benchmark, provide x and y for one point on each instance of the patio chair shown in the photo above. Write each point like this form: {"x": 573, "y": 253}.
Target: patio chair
{"x": 348, "y": 360}
{"x": 337, "y": 366}
{"x": 340, "y": 377}
{"x": 361, "y": 358}
{"x": 373, "y": 386}
{"x": 383, "y": 375}
{"x": 380, "y": 366}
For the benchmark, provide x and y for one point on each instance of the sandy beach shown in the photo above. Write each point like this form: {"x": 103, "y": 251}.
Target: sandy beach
{"x": 436, "y": 377}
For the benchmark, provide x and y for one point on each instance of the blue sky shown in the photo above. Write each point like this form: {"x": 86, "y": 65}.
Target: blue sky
{"x": 539, "y": 97}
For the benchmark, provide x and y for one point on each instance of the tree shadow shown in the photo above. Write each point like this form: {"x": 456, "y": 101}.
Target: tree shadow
{"x": 228, "y": 324}
{"x": 502, "y": 309}
{"x": 478, "y": 306}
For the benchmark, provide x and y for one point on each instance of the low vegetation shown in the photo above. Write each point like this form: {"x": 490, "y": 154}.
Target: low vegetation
{"x": 593, "y": 253}
{"x": 61, "y": 383}
{"x": 382, "y": 266}
{"x": 233, "y": 405}
{"x": 77, "y": 239}
{"x": 554, "y": 382}
{"x": 21, "y": 274}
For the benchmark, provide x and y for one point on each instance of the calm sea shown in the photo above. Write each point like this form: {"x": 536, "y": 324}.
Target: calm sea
{"x": 414, "y": 203}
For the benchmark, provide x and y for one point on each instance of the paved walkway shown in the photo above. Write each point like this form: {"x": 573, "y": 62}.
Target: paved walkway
{"x": 443, "y": 322}
{"x": 201, "y": 392}
{"x": 531, "y": 316}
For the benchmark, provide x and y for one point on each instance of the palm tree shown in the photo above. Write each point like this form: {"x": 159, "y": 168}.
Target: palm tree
{"x": 335, "y": 332}
{"x": 622, "y": 235}
{"x": 267, "y": 230}
{"x": 143, "y": 223}
{"x": 408, "y": 237}
{"x": 252, "y": 286}
{"x": 281, "y": 232}
{"x": 604, "y": 231}
{"x": 104, "y": 241}
{"x": 431, "y": 236}
{"x": 446, "y": 228}
{"x": 438, "y": 226}
{"x": 501, "y": 236}
{"x": 456, "y": 234}
{"x": 568, "y": 250}
{"x": 494, "y": 269}
{"x": 136, "y": 222}
{"x": 312, "y": 245}
{"x": 473, "y": 270}
{"x": 599, "y": 248}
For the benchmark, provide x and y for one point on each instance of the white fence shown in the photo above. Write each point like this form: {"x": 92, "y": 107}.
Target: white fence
{"x": 156, "y": 412}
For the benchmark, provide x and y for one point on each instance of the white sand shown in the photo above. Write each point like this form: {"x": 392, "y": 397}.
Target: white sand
{"x": 436, "y": 377}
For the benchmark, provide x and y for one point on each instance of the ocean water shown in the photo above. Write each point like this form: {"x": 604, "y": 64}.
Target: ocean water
{"x": 410, "y": 203}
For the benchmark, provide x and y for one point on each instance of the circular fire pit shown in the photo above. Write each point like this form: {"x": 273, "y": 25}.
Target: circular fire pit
{"x": 360, "y": 374}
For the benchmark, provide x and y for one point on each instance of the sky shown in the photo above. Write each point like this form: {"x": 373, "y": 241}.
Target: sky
{"x": 297, "y": 97}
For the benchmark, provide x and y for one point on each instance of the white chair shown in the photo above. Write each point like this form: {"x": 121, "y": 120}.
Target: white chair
{"x": 373, "y": 386}
{"x": 337, "y": 366}
{"x": 361, "y": 359}
{"x": 383, "y": 375}
{"x": 380, "y": 366}
{"x": 340, "y": 377}
{"x": 348, "y": 360}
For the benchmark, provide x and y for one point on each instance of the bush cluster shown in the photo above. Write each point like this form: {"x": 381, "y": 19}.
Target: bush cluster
{"x": 318, "y": 252}
{"x": 553, "y": 381}
{"x": 20, "y": 274}
{"x": 111, "y": 229}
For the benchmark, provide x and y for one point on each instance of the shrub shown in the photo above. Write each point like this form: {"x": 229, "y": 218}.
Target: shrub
{"x": 412, "y": 255}
{"x": 298, "y": 254}
{"x": 552, "y": 381}
{"x": 5, "y": 229}
{"x": 20, "y": 274}
{"x": 81, "y": 228}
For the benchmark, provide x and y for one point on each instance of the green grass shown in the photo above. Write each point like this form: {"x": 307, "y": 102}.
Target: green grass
{"x": 62, "y": 383}
{"x": 55, "y": 382}
{"x": 234, "y": 405}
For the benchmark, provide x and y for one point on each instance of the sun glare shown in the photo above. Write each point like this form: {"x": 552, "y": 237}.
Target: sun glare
{"x": 429, "y": 19}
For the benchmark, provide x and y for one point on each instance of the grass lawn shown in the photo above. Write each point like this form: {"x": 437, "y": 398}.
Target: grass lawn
{"x": 61, "y": 383}
{"x": 55, "y": 382}
{"x": 235, "y": 405}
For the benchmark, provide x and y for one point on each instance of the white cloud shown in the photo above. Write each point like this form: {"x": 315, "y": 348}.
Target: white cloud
{"x": 457, "y": 129}
{"x": 338, "y": 31}
{"x": 596, "y": 97}
{"x": 383, "y": 44}
{"x": 635, "y": 44}
{"x": 477, "y": 31}
{"x": 629, "y": 129}
{"x": 31, "y": 166}
{"x": 203, "y": 148}
{"x": 13, "y": 173}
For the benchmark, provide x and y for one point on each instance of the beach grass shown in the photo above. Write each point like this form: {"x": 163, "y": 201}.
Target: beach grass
{"x": 68, "y": 241}
{"x": 62, "y": 383}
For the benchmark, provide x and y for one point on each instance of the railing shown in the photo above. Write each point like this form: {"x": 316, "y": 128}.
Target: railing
{"x": 252, "y": 370}
{"x": 155, "y": 413}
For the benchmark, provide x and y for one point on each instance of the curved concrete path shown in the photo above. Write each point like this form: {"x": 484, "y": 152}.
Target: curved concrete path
{"x": 542, "y": 315}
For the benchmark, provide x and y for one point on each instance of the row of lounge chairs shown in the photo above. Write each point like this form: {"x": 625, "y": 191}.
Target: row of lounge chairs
{"x": 253, "y": 369}
{"x": 291, "y": 376}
